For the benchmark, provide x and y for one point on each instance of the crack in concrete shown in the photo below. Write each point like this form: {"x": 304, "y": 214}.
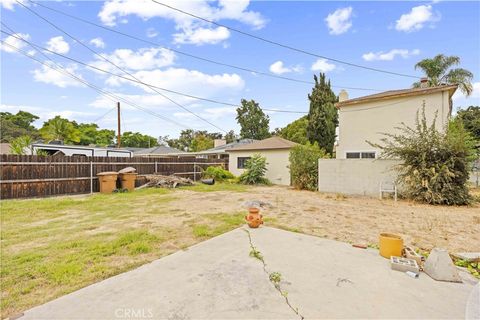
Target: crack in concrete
{"x": 276, "y": 282}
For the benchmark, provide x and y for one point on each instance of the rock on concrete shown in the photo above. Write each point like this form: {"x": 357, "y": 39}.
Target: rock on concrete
{"x": 440, "y": 266}
{"x": 217, "y": 279}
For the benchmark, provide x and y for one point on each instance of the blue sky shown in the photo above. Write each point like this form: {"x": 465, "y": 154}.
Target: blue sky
{"x": 391, "y": 36}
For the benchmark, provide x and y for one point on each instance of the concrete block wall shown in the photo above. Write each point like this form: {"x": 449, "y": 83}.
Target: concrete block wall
{"x": 354, "y": 176}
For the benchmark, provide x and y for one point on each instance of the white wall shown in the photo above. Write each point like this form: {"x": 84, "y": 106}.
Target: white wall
{"x": 277, "y": 164}
{"x": 364, "y": 122}
{"x": 354, "y": 176}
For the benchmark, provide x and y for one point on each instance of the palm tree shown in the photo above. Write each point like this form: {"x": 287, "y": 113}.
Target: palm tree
{"x": 438, "y": 71}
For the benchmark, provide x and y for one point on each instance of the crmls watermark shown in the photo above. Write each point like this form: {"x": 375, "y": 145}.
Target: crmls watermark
{"x": 133, "y": 313}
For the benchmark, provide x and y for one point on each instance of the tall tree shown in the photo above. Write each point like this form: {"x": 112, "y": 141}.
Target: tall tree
{"x": 230, "y": 136}
{"x": 137, "y": 140}
{"x": 16, "y": 125}
{"x": 59, "y": 128}
{"x": 193, "y": 141}
{"x": 295, "y": 131}
{"x": 322, "y": 116}
{"x": 438, "y": 71}
{"x": 470, "y": 118}
{"x": 252, "y": 120}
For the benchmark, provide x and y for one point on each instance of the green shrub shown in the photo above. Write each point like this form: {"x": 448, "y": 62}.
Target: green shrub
{"x": 435, "y": 165}
{"x": 217, "y": 173}
{"x": 304, "y": 165}
{"x": 256, "y": 168}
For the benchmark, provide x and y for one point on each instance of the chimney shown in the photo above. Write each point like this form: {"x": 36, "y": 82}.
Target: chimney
{"x": 219, "y": 142}
{"x": 343, "y": 96}
{"x": 424, "y": 83}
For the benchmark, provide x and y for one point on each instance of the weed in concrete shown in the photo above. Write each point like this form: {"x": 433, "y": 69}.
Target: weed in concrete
{"x": 274, "y": 277}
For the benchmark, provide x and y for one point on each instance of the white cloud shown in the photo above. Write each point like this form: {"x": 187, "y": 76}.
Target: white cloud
{"x": 142, "y": 59}
{"x": 98, "y": 42}
{"x": 58, "y": 45}
{"x": 114, "y": 10}
{"x": 459, "y": 95}
{"x": 209, "y": 113}
{"x": 323, "y": 65}
{"x": 279, "y": 68}
{"x": 390, "y": 55}
{"x": 339, "y": 21}
{"x": 416, "y": 18}
{"x": 201, "y": 36}
{"x": 183, "y": 80}
{"x": 15, "y": 42}
{"x": 9, "y": 4}
{"x": 152, "y": 33}
{"x": 55, "y": 77}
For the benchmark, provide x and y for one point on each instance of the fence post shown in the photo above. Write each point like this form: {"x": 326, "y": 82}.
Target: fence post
{"x": 91, "y": 177}
{"x": 194, "y": 172}
{"x": 156, "y": 167}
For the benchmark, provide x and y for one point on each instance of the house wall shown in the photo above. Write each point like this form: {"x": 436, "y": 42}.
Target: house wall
{"x": 364, "y": 122}
{"x": 277, "y": 164}
{"x": 354, "y": 176}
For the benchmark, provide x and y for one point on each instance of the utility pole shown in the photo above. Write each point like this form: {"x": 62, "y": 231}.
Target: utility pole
{"x": 119, "y": 134}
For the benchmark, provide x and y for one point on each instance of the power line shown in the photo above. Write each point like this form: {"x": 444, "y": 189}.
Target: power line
{"x": 105, "y": 93}
{"x": 249, "y": 70}
{"x": 104, "y": 115}
{"x": 284, "y": 45}
{"x": 137, "y": 81}
{"x": 116, "y": 66}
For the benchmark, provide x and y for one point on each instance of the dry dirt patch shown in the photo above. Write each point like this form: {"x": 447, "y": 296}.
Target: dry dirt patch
{"x": 349, "y": 219}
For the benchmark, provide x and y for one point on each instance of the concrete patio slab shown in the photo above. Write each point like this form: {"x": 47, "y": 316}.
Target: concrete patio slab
{"x": 217, "y": 279}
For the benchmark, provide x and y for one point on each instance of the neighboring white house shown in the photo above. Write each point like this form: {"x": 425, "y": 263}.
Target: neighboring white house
{"x": 84, "y": 151}
{"x": 219, "y": 150}
{"x": 275, "y": 149}
{"x": 356, "y": 169}
{"x": 364, "y": 119}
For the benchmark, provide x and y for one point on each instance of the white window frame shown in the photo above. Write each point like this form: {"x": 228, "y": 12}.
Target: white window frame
{"x": 360, "y": 152}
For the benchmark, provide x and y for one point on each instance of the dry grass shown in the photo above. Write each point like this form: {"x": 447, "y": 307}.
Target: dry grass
{"x": 51, "y": 247}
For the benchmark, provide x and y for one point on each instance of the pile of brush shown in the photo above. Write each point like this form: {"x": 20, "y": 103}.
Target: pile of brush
{"x": 160, "y": 181}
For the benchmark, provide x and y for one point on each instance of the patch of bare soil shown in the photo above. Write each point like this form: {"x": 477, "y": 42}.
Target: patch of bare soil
{"x": 349, "y": 219}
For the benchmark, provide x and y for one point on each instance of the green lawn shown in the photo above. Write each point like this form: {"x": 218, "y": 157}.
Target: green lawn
{"x": 54, "y": 246}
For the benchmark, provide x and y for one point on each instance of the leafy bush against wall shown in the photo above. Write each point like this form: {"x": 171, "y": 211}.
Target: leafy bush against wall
{"x": 217, "y": 173}
{"x": 304, "y": 165}
{"x": 435, "y": 164}
{"x": 256, "y": 167}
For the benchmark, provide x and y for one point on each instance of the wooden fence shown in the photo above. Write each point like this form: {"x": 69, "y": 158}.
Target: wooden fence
{"x": 41, "y": 176}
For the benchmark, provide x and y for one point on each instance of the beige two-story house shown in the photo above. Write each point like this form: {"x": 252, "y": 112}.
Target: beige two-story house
{"x": 364, "y": 119}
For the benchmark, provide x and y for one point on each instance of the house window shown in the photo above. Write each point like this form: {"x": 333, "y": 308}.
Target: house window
{"x": 241, "y": 161}
{"x": 360, "y": 155}
{"x": 353, "y": 155}
{"x": 368, "y": 155}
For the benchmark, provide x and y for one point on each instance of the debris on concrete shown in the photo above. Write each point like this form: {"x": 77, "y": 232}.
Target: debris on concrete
{"x": 412, "y": 274}
{"x": 127, "y": 170}
{"x": 468, "y": 256}
{"x": 157, "y": 180}
{"x": 259, "y": 204}
{"x": 404, "y": 264}
{"x": 343, "y": 280}
{"x": 411, "y": 254}
{"x": 439, "y": 266}
{"x": 360, "y": 246}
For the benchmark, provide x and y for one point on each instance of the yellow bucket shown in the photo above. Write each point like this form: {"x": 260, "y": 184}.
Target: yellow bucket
{"x": 390, "y": 245}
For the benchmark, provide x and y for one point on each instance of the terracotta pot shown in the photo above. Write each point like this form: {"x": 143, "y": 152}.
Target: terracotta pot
{"x": 254, "y": 218}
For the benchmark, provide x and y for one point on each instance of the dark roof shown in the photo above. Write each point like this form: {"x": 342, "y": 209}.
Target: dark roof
{"x": 397, "y": 94}
{"x": 230, "y": 145}
{"x": 156, "y": 150}
{"x": 266, "y": 144}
